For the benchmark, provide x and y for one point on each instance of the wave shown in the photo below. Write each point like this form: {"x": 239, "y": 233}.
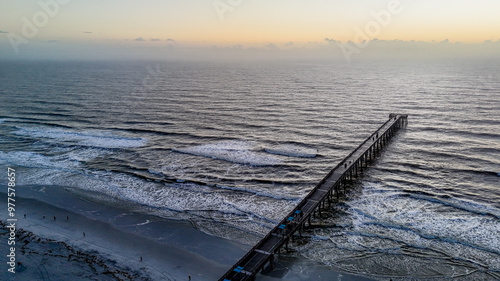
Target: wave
{"x": 43, "y": 122}
{"x": 40, "y": 112}
{"x": 185, "y": 199}
{"x": 83, "y": 138}
{"x": 35, "y": 160}
{"x": 452, "y": 197}
{"x": 467, "y": 223}
{"x": 446, "y": 200}
{"x": 260, "y": 193}
{"x": 433, "y": 243}
{"x": 195, "y": 185}
{"x": 413, "y": 176}
{"x": 439, "y": 237}
{"x": 292, "y": 151}
{"x": 232, "y": 151}
{"x": 161, "y": 133}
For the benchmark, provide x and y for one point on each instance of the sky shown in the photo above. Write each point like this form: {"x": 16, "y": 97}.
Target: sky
{"x": 187, "y": 28}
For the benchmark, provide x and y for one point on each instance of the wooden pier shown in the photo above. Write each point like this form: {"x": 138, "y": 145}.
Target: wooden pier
{"x": 325, "y": 191}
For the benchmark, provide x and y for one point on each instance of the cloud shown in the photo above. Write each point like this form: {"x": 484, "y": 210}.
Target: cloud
{"x": 490, "y": 41}
{"x": 314, "y": 44}
{"x": 323, "y": 49}
{"x": 3, "y": 31}
{"x": 155, "y": 39}
{"x": 330, "y": 41}
{"x": 271, "y": 46}
{"x": 88, "y": 32}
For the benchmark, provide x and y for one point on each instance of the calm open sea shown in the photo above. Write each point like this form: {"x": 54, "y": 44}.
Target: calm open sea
{"x": 232, "y": 147}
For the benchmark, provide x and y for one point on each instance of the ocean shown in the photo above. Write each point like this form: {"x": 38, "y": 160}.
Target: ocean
{"x": 232, "y": 147}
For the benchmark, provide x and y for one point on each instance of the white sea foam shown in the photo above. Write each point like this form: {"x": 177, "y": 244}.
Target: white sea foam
{"x": 232, "y": 151}
{"x": 84, "y": 138}
{"x": 378, "y": 220}
{"x": 429, "y": 219}
{"x": 395, "y": 232}
{"x": 292, "y": 151}
{"x": 386, "y": 222}
{"x": 32, "y": 159}
{"x": 180, "y": 201}
{"x": 143, "y": 223}
{"x": 188, "y": 204}
{"x": 57, "y": 157}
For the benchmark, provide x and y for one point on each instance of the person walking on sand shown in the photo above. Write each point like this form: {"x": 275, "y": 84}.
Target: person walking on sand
{"x": 189, "y": 277}
{"x": 84, "y": 234}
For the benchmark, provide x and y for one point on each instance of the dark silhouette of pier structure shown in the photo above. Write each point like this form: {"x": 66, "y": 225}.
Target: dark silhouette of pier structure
{"x": 329, "y": 188}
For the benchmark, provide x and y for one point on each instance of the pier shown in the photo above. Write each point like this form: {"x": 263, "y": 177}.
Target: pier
{"x": 326, "y": 191}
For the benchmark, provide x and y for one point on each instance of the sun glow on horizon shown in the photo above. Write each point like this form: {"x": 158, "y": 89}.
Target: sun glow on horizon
{"x": 250, "y": 24}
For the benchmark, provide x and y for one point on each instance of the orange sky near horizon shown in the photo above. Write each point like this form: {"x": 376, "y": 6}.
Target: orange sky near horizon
{"x": 256, "y": 22}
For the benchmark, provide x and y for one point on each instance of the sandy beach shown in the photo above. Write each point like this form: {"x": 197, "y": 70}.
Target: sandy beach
{"x": 179, "y": 250}
{"x": 66, "y": 237}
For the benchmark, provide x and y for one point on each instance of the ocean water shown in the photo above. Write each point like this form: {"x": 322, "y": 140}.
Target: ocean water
{"x": 232, "y": 147}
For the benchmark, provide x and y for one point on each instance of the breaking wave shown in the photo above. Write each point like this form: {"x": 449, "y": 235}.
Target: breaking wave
{"x": 241, "y": 152}
{"x": 292, "y": 151}
{"x": 82, "y": 138}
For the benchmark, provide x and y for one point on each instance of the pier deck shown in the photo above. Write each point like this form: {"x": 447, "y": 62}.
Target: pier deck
{"x": 328, "y": 188}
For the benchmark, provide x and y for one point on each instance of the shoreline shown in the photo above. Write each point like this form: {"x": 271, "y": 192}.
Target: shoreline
{"x": 116, "y": 240}
{"x": 163, "y": 257}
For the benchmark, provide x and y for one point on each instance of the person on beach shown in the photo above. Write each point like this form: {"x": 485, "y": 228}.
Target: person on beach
{"x": 189, "y": 277}
{"x": 84, "y": 234}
